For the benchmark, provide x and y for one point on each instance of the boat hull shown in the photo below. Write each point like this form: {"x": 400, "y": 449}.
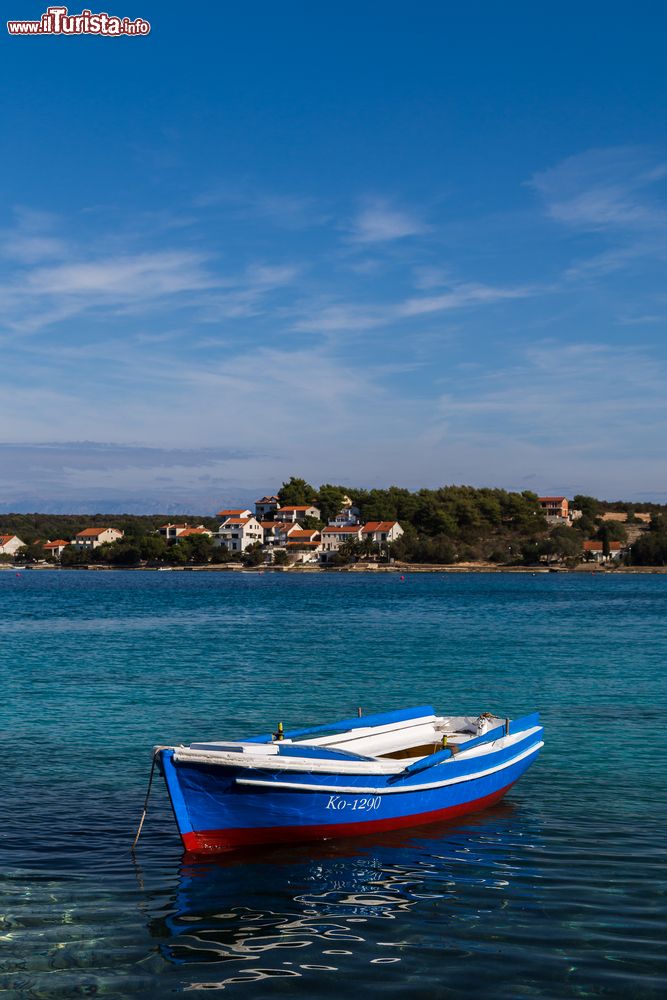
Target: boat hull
{"x": 219, "y": 809}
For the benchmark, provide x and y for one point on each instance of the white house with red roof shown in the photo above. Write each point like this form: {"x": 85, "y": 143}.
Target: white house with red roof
{"x": 92, "y": 538}
{"x": 237, "y": 533}
{"x": 303, "y": 544}
{"x": 194, "y": 532}
{"x": 172, "y": 532}
{"x": 295, "y": 512}
{"x": 278, "y": 532}
{"x": 336, "y": 535}
{"x": 234, "y": 512}
{"x": 381, "y": 531}
{"x": 10, "y": 544}
{"x": 55, "y": 548}
{"x": 594, "y": 550}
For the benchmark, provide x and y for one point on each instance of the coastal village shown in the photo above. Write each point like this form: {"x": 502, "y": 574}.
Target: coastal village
{"x": 294, "y": 535}
{"x": 270, "y": 528}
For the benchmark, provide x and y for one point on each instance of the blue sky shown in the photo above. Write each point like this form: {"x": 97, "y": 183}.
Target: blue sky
{"x": 368, "y": 243}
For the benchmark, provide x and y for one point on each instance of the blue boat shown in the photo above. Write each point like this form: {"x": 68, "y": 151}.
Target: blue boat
{"x": 342, "y": 779}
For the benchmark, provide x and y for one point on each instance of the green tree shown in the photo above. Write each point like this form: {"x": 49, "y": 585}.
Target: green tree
{"x": 296, "y": 491}
{"x": 349, "y": 552}
{"x": 589, "y": 506}
{"x": 565, "y": 543}
{"x": 311, "y": 522}
{"x": 221, "y": 554}
{"x": 153, "y": 549}
{"x": 253, "y": 555}
{"x": 123, "y": 554}
{"x": 612, "y": 531}
{"x": 330, "y": 501}
{"x": 198, "y": 549}
{"x": 31, "y": 553}
{"x": 72, "y": 556}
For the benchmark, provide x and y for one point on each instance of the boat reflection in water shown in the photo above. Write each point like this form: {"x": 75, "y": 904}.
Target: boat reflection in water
{"x": 327, "y": 907}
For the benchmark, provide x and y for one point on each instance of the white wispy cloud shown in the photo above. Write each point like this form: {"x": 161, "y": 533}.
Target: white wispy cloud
{"x": 380, "y": 222}
{"x": 588, "y": 397}
{"x": 51, "y": 279}
{"x": 141, "y": 276}
{"x": 604, "y": 189}
{"x": 329, "y": 318}
{"x": 249, "y": 293}
{"x": 612, "y": 196}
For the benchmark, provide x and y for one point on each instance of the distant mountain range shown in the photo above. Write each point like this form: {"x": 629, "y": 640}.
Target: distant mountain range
{"x": 195, "y": 506}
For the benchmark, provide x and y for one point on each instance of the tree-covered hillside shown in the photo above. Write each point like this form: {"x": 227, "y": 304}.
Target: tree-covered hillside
{"x": 449, "y": 524}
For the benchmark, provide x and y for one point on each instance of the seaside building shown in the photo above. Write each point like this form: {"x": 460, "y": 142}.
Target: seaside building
{"x": 295, "y": 512}
{"x": 382, "y": 531}
{"x": 554, "y": 507}
{"x": 92, "y": 538}
{"x": 236, "y": 534}
{"x": 335, "y": 535}
{"x": 557, "y": 510}
{"x": 189, "y": 532}
{"x": 170, "y": 532}
{"x": 347, "y": 516}
{"x": 277, "y": 532}
{"x": 266, "y": 507}
{"x": 55, "y": 548}
{"x": 303, "y": 545}
{"x": 234, "y": 512}
{"x": 594, "y": 551}
{"x": 10, "y": 544}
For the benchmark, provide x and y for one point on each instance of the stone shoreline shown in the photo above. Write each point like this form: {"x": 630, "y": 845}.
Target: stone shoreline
{"x": 400, "y": 568}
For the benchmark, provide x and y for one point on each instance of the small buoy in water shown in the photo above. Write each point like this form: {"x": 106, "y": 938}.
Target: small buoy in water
{"x": 402, "y": 579}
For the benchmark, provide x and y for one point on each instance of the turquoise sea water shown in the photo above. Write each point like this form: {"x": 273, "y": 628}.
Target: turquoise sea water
{"x": 559, "y": 892}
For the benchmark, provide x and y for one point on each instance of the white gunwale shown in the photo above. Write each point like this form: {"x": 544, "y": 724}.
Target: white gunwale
{"x": 265, "y": 757}
{"x": 391, "y": 789}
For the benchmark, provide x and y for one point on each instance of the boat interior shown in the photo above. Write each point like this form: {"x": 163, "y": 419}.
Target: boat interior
{"x": 403, "y": 740}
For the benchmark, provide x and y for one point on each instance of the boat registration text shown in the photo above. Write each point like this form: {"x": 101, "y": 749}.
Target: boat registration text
{"x": 369, "y": 803}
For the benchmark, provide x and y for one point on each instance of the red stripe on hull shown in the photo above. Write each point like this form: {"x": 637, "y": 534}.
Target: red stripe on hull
{"x": 211, "y": 841}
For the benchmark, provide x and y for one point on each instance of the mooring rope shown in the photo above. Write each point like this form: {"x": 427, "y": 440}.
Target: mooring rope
{"x": 156, "y": 751}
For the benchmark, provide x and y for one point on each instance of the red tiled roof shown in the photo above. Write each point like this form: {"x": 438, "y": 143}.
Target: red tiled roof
{"x": 6, "y": 538}
{"x": 302, "y": 542}
{"x": 93, "y": 532}
{"x": 551, "y": 499}
{"x": 272, "y": 524}
{"x": 597, "y": 546}
{"x": 305, "y": 506}
{"x": 194, "y": 531}
{"x": 303, "y": 533}
{"x": 57, "y": 544}
{"x": 236, "y": 520}
{"x": 338, "y": 529}
{"x": 378, "y": 526}
{"x": 268, "y": 500}
{"x": 237, "y": 511}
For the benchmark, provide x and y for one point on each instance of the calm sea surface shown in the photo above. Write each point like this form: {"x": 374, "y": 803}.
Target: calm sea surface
{"x": 560, "y": 891}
